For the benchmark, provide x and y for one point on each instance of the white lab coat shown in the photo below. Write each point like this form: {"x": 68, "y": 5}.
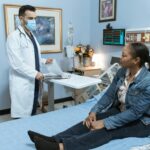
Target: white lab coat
{"x": 22, "y": 72}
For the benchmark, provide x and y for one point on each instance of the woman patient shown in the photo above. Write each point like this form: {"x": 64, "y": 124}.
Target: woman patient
{"x": 126, "y": 104}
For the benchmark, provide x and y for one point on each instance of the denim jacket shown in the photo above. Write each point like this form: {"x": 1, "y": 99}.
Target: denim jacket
{"x": 137, "y": 100}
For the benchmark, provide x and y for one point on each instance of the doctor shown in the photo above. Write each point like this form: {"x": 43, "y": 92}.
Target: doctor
{"x": 24, "y": 58}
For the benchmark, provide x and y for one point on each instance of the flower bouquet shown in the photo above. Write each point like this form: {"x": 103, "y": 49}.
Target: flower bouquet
{"x": 85, "y": 53}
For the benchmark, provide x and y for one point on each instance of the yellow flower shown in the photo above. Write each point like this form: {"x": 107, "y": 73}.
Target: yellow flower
{"x": 91, "y": 52}
{"x": 77, "y": 49}
{"x": 86, "y": 51}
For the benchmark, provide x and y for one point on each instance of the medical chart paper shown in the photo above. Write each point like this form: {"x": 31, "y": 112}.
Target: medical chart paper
{"x": 54, "y": 68}
{"x": 55, "y": 72}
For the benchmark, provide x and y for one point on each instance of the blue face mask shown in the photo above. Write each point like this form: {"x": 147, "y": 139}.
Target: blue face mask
{"x": 31, "y": 25}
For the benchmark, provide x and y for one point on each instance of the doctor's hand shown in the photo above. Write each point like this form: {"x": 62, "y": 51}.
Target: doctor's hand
{"x": 49, "y": 60}
{"x": 88, "y": 121}
{"x": 39, "y": 76}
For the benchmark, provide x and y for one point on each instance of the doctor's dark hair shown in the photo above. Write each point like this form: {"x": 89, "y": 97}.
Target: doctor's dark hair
{"x": 140, "y": 50}
{"x": 24, "y": 8}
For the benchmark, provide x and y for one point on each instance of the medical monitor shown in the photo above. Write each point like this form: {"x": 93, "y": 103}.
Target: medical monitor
{"x": 114, "y": 37}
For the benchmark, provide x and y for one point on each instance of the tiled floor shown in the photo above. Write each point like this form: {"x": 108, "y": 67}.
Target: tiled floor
{"x": 7, "y": 117}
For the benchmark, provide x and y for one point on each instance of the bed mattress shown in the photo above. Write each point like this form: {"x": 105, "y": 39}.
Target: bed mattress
{"x": 13, "y": 134}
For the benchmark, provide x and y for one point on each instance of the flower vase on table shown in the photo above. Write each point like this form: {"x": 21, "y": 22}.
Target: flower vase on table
{"x": 81, "y": 60}
{"x": 87, "y": 61}
{"x": 85, "y": 54}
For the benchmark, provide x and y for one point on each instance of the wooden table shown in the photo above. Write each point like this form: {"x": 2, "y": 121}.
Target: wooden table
{"x": 88, "y": 71}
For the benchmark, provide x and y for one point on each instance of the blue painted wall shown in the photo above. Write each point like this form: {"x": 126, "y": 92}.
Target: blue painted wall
{"x": 130, "y": 14}
{"x": 75, "y": 11}
{"x": 84, "y": 16}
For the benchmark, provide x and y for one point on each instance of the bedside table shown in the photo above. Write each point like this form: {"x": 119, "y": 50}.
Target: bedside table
{"x": 88, "y": 71}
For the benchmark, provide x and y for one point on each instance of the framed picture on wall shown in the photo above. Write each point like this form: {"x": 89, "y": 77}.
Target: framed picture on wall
{"x": 49, "y": 26}
{"x": 107, "y": 10}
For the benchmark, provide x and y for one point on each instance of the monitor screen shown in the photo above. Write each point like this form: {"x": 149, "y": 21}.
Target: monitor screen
{"x": 114, "y": 37}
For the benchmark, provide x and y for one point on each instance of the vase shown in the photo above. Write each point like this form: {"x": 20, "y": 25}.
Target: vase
{"x": 87, "y": 61}
{"x": 81, "y": 60}
{"x": 78, "y": 61}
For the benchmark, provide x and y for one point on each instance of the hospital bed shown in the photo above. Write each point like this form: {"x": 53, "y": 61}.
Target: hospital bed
{"x": 13, "y": 134}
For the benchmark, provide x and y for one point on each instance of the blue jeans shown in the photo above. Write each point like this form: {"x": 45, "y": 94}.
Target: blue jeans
{"x": 79, "y": 137}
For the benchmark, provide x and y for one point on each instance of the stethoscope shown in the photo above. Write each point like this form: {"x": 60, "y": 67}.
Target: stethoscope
{"x": 25, "y": 43}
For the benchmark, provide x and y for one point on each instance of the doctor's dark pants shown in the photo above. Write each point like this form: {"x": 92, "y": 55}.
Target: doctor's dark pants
{"x": 79, "y": 137}
{"x": 37, "y": 67}
{"x": 36, "y": 94}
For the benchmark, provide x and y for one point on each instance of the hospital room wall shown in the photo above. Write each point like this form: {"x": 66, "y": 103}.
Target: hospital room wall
{"x": 130, "y": 14}
{"x": 75, "y": 11}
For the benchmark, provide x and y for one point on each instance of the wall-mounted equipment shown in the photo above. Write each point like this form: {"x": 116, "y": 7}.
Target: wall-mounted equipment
{"x": 114, "y": 37}
{"x": 138, "y": 35}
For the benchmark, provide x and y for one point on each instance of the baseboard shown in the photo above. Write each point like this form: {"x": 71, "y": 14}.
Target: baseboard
{"x": 61, "y": 100}
{"x": 57, "y": 101}
{"x": 5, "y": 111}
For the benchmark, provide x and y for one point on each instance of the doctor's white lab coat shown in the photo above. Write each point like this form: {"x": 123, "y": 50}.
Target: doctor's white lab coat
{"x": 22, "y": 72}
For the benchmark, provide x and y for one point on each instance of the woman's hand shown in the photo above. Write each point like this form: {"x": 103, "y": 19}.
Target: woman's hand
{"x": 91, "y": 118}
{"x": 97, "y": 125}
